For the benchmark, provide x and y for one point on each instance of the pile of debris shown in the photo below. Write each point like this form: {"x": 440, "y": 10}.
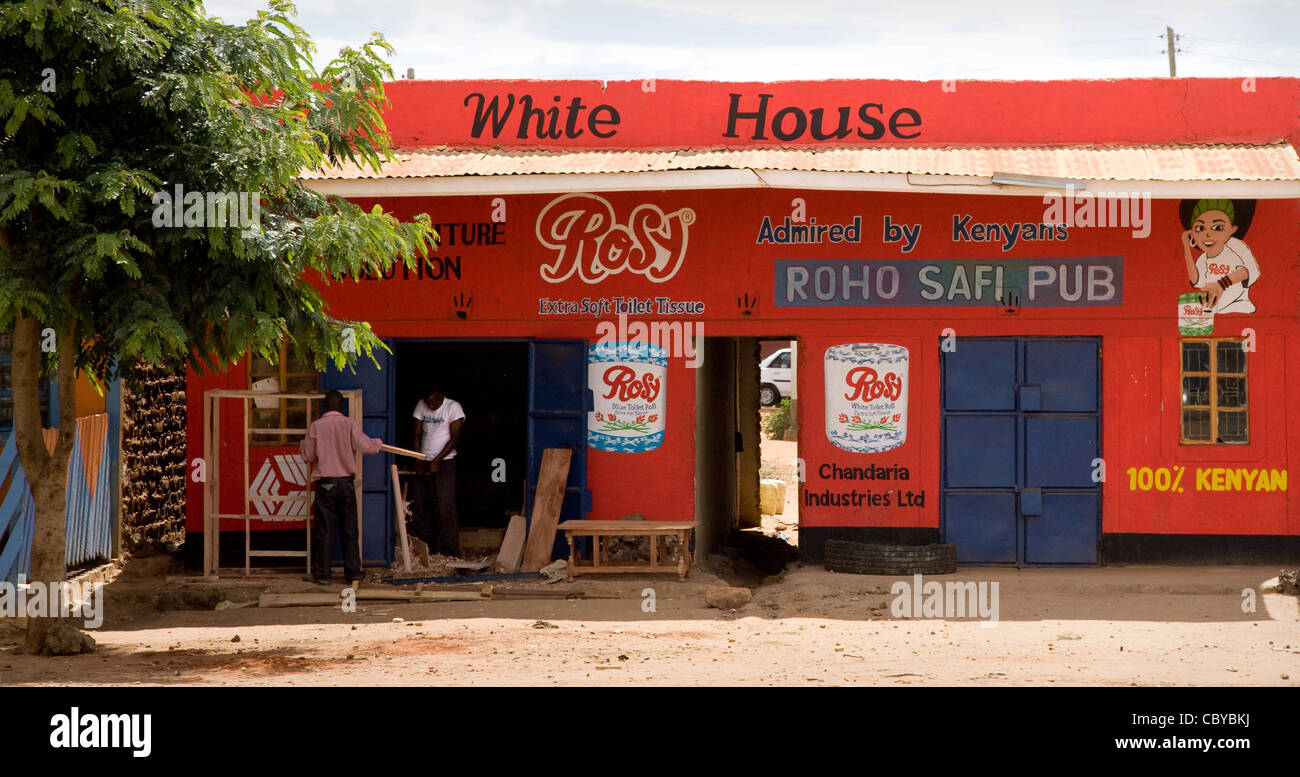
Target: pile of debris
{"x": 426, "y": 564}
{"x": 629, "y": 549}
{"x": 422, "y": 561}
{"x": 1288, "y": 581}
{"x": 632, "y": 549}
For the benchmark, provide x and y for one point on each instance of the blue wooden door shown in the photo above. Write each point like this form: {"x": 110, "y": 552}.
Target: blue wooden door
{"x": 558, "y": 401}
{"x": 1021, "y": 429}
{"x": 378, "y": 417}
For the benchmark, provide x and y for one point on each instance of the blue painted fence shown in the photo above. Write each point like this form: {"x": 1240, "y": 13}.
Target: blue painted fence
{"x": 17, "y": 514}
{"x": 89, "y": 512}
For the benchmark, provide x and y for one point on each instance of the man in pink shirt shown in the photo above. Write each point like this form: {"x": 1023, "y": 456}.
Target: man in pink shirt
{"x": 330, "y": 447}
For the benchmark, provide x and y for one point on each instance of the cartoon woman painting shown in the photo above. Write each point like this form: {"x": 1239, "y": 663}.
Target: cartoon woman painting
{"x": 1226, "y": 269}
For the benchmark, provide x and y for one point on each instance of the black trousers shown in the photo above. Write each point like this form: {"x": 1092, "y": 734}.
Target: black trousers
{"x": 336, "y": 510}
{"x": 433, "y": 509}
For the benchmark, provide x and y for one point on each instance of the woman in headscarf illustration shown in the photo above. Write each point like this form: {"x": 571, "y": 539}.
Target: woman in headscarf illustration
{"x": 1226, "y": 269}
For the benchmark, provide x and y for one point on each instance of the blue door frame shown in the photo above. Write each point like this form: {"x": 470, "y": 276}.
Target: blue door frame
{"x": 377, "y": 420}
{"x": 1021, "y": 429}
{"x": 558, "y": 403}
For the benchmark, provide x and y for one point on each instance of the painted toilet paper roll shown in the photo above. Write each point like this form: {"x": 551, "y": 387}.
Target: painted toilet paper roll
{"x": 866, "y": 396}
{"x": 1194, "y": 319}
{"x": 630, "y": 384}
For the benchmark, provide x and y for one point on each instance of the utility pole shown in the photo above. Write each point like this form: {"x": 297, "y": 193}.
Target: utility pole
{"x": 1169, "y": 44}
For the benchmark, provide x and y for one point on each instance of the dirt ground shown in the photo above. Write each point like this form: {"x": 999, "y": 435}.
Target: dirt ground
{"x": 777, "y": 462}
{"x": 807, "y": 626}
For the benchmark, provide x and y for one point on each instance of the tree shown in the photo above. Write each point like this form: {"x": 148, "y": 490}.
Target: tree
{"x": 150, "y": 207}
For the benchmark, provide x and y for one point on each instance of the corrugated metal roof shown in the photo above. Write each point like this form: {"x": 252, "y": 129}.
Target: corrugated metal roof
{"x": 1277, "y": 162}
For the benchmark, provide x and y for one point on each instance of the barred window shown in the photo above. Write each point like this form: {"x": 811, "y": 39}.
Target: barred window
{"x": 286, "y": 375}
{"x": 1214, "y": 397}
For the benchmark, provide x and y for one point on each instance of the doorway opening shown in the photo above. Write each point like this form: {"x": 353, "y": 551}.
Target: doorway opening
{"x": 747, "y": 489}
{"x": 489, "y": 378}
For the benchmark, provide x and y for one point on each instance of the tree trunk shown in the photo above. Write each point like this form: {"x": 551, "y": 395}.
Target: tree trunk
{"x": 47, "y": 474}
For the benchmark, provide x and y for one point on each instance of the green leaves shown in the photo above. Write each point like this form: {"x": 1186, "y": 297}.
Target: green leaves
{"x": 20, "y": 190}
{"x": 150, "y": 95}
{"x": 100, "y": 249}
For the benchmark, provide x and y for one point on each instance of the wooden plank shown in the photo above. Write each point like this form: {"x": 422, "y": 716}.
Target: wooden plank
{"x": 400, "y": 517}
{"x": 307, "y": 508}
{"x": 397, "y": 595}
{"x": 214, "y": 483}
{"x": 248, "y": 541}
{"x": 326, "y": 599}
{"x": 208, "y": 507}
{"x": 236, "y": 393}
{"x": 639, "y": 566}
{"x": 551, "y": 481}
{"x": 402, "y": 451}
{"x": 214, "y": 472}
{"x": 443, "y": 596}
{"x": 356, "y": 411}
{"x": 511, "y": 554}
{"x": 532, "y": 576}
{"x": 631, "y": 527}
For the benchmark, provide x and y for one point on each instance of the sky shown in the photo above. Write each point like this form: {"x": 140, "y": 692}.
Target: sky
{"x": 773, "y": 40}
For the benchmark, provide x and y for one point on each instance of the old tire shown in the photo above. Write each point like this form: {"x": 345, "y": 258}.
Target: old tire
{"x": 861, "y": 558}
{"x": 768, "y": 395}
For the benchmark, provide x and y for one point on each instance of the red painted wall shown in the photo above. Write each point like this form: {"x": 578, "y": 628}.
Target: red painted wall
{"x": 723, "y": 268}
{"x": 694, "y": 114}
{"x": 230, "y": 463}
{"x": 722, "y": 264}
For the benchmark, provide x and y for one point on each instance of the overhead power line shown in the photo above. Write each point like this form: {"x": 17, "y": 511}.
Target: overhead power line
{"x": 1292, "y": 65}
{"x": 1243, "y": 45}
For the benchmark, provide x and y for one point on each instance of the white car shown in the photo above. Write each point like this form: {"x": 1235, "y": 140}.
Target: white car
{"x": 774, "y": 378}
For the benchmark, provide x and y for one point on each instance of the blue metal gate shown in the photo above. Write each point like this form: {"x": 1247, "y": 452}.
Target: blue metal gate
{"x": 558, "y": 401}
{"x": 378, "y": 420}
{"x": 89, "y": 515}
{"x": 1021, "y": 431}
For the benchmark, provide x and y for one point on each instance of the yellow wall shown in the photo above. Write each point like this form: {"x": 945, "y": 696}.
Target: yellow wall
{"x": 89, "y": 402}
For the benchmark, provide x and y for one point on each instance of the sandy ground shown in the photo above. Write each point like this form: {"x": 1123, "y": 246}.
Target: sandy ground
{"x": 1111, "y": 626}
{"x": 806, "y": 626}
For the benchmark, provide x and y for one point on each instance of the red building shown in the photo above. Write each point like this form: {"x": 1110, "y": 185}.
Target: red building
{"x": 1045, "y": 321}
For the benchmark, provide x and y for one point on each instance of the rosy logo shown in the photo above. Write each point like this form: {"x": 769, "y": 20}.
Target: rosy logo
{"x": 867, "y": 385}
{"x": 589, "y": 241}
{"x": 622, "y": 380}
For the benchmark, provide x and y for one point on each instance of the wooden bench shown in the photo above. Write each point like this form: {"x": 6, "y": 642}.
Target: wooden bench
{"x": 652, "y": 529}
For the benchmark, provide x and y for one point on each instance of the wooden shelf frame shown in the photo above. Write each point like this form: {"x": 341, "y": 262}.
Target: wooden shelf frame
{"x": 212, "y": 515}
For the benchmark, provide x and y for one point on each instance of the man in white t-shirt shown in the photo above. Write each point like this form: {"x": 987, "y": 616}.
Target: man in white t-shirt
{"x": 438, "y": 421}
